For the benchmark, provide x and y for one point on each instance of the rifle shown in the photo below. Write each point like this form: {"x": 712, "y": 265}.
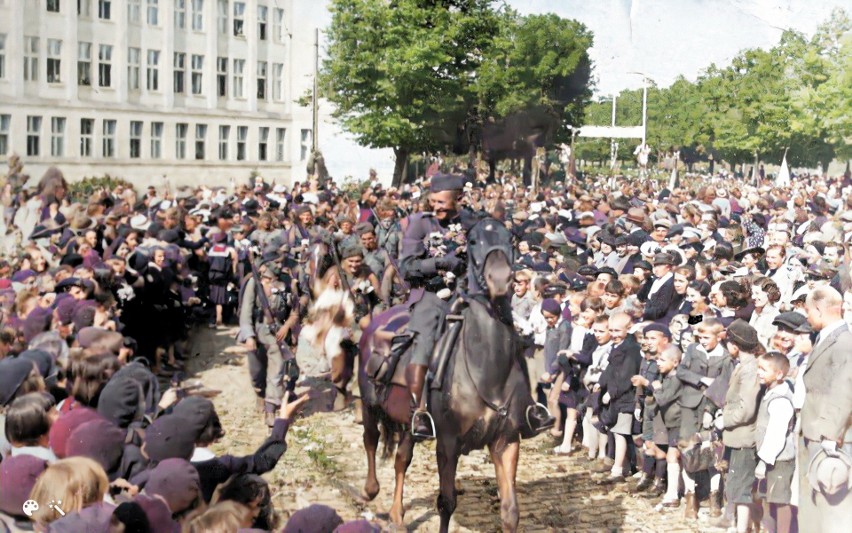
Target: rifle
{"x": 392, "y": 261}
{"x": 289, "y": 369}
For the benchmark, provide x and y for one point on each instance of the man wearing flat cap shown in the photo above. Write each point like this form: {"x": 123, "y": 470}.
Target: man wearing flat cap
{"x": 660, "y": 291}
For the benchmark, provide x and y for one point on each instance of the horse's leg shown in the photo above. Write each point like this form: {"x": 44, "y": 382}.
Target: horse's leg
{"x": 404, "y": 453}
{"x": 448, "y": 460}
{"x": 506, "y": 468}
{"x": 371, "y": 443}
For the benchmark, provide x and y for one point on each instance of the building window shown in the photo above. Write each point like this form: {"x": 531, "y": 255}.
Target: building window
{"x": 239, "y": 67}
{"x": 180, "y": 14}
{"x": 54, "y": 61}
{"x": 262, "y": 144}
{"x": 105, "y": 65}
{"x": 180, "y": 140}
{"x": 224, "y": 133}
{"x": 134, "y": 58}
{"x": 2, "y": 59}
{"x": 135, "y": 139}
{"x": 30, "y": 58}
{"x": 153, "y": 70}
{"x": 278, "y": 29}
{"x": 84, "y": 8}
{"x": 261, "y": 80}
{"x": 109, "y": 139}
{"x": 222, "y": 75}
{"x": 180, "y": 72}
{"x": 222, "y": 20}
{"x": 156, "y": 140}
{"x": 33, "y": 135}
{"x": 280, "y": 137}
{"x": 198, "y": 15}
{"x": 305, "y": 144}
{"x": 197, "y": 66}
{"x": 53, "y": 6}
{"x": 278, "y": 82}
{"x": 134, "y": 11}
{"x": 84, "y": 64}
{"x": 104, "y": 9}
{"x": 57, "y": 136}
{"x": 154, "y": 12}
{"x": 239, "y": 18}
{"x": 87, "y": 130}
{"x": 242, "y": 135}
{"x": 4, "y": 134}
{"x": 262, "y": 14}
{"x": 200, "y": 136}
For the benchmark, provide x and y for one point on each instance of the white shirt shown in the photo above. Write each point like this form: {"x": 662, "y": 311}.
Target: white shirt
{"x": 825, "y": 332}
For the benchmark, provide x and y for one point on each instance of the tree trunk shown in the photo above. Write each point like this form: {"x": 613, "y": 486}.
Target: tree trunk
{"x": 712, "y": 165}
{"x": 401, "y": 155}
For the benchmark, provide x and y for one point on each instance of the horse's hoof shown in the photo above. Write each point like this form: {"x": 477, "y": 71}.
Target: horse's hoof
{"x": 368, "y": 494}
{"x": 398, "y": 518}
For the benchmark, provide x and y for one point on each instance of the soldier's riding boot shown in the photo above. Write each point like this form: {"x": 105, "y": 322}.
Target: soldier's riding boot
{"x": 538, "y": 420}
{"x": 422, "y": 426}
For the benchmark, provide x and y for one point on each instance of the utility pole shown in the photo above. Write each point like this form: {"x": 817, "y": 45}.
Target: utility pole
{"x": 315, "y": 92}
{"x": 644, "y": 109}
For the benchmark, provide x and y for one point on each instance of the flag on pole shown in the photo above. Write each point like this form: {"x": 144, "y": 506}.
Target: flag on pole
{"x": 783, "y": 174}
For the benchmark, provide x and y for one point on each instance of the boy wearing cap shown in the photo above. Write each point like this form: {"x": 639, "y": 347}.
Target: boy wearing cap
{"x": 738, "y": 419}
{"x": 776, "y": 445}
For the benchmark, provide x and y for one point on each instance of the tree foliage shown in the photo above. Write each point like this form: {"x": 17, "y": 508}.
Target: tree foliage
{"x": 425, "y": 75}
{"x": 794, "y": 97}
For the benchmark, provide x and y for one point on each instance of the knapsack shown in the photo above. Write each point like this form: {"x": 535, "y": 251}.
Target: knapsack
{"x": 220, "y": 263}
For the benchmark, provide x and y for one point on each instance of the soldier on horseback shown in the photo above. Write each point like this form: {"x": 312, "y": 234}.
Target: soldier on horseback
{"x": 432, "y": 258}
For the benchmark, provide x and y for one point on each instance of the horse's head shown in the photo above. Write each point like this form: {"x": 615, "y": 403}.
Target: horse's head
{"x": 498, "y": 274}
{"x": 490, "y": 255}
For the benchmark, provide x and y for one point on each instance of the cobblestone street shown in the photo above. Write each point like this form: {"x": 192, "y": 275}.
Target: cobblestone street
{"x": 325, "y": 464}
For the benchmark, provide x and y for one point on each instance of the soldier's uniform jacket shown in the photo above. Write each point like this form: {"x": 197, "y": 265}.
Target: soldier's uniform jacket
{"x": 416, "y": 265}
{"x": 389, "y": 237}
{"x": 251, "y": 309}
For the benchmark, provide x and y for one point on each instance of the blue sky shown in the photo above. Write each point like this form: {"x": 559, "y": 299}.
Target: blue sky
{"x": 659, "y": 38}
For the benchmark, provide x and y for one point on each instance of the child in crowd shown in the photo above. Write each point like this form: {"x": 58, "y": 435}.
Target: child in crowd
{"x": 618, "y": 392}
{"x": 667, "y": 420}
{"x": 703, "y": 362}
{"x": 738, "y": 418}
{"x": 568, "y": 383}
{"x": 776, "y": 449}
{"x": 594, "y": 439}
{"x": 558, "y": 338}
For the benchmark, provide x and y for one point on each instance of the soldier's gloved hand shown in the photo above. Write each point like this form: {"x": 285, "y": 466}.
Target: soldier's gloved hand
{"x": 449, "y": 262}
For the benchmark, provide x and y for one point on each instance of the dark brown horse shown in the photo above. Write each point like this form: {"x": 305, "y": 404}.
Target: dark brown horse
{"x": 482, "y": 396}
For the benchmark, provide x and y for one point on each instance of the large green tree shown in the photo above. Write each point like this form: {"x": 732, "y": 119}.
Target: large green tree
{"x": 427, "y": 75}
{"x": 396, "y": 70}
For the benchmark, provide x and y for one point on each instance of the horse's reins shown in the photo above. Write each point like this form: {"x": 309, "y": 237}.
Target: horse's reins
{"x": 502, "y": 411}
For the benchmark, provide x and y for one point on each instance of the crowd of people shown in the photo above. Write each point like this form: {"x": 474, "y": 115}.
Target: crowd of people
{"x": 690, "y": 342}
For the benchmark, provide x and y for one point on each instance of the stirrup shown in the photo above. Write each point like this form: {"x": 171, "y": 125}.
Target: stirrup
{"x": 537, "y": 406}
{"x": 422, "y": 436}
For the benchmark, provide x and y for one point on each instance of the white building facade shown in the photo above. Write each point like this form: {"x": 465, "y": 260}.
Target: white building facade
{"x": 199, "y": 91}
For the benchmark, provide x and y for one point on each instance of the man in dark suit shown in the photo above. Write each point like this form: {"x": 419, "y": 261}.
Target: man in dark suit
{"x": 617, "y": 389}
{"x": 826, "y": 414}
{"x": 661, "y": 287}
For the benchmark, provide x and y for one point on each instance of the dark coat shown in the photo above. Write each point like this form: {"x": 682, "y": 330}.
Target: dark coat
{"x": 217, "y": 470}
{"x": 696, "y": 365}
{"x": 624, "y": 362}
{"x": 658, "y": 303}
